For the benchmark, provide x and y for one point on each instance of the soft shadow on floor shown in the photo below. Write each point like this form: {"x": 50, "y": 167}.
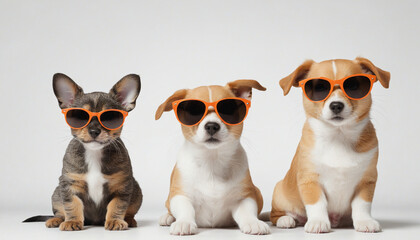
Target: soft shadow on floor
{"x": 143, "y": 223}
{"x": 394, "y": 224}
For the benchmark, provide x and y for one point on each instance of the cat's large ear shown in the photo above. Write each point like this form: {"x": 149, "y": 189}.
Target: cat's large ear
{"x": 66, "y": 90}
{"x": 126, "y": 91}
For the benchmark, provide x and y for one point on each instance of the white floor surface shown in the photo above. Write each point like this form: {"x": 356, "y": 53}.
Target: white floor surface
{"x": 396, "y": 224}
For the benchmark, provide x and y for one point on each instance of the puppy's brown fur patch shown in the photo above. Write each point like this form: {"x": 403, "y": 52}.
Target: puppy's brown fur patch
{"x": 175, "y": 188}
{"x": 249, "y": 190}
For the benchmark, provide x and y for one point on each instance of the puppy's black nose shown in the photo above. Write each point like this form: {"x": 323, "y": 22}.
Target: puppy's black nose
{"x": 94, "y": 132}
{"x": 336, "y": 107}
{"x": 212, "y": 128}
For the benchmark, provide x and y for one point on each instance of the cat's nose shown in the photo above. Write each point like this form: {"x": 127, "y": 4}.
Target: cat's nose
{"x": 94, "y": 132}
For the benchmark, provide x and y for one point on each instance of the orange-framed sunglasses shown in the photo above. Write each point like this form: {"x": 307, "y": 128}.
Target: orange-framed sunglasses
{"x": 110, "y": 119}
{"x": 355, "y": 87}
{"x": 232, "y": 111}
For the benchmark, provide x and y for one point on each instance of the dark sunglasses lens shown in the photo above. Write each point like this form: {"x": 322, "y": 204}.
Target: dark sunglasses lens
{"x": 232, "y": 111}
{"x": 190, "y": 112}
{"x": 112, "y": 119}
{"x": 357, "y": 86}
{"x": 317, "y": 89}
{"x": 77, "y": 118}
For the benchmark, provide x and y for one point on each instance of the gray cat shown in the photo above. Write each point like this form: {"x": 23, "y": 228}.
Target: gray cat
{"x": 97, "y": 186}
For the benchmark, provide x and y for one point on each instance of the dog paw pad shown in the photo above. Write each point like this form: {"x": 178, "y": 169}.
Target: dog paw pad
{"x": 286, "y": 222}
{"x": 183, "y": 228}
{"x": 256, "y": 227}
{"x": 317, "y": 226}
{"x": 369, "y": 225}
{"x": 166, "y": 220}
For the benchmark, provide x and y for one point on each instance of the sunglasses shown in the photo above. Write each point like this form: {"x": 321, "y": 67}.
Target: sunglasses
{"x": 355, "y": 87}
{"x": 231, "y": 111}
{"x": 110, "y": 119}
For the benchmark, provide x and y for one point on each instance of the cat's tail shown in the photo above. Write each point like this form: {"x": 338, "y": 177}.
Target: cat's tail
{"x": 38, "y": 218}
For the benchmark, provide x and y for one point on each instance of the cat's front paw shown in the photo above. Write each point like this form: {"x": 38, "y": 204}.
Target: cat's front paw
{"x": 71, "y": 226}
{"x": 116, "y": 224}
{"x": 53, "y": 222}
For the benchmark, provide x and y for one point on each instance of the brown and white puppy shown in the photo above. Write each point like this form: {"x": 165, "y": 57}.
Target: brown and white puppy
{"x": 211, "y": 184}
{"x": 333, "y": 174}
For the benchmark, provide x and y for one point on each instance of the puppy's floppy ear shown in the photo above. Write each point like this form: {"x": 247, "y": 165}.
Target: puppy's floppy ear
{"x": 66, "y": 90}
{"x": 243, "y": 88}
{"x": 167, "y": 105}
{"x": 296, "y": 76}
{"x": 126, "y": 91}
{"x": 368, "y": 67}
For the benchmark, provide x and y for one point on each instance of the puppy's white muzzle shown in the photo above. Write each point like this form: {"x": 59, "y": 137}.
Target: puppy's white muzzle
{"x": 212, "y": 132}
{"x": 336, "y": 110}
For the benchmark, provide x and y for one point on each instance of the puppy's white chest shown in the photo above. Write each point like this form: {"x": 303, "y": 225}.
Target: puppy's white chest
{"x": 339, "y": 185}
{"x": 213, "y": 201}
{"x": 213, "y": 188}
{"x": 339, "y": 166}
{"x": 94, "y": 177}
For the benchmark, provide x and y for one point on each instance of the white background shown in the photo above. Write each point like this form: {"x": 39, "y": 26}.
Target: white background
{"x": 185, "y": 44}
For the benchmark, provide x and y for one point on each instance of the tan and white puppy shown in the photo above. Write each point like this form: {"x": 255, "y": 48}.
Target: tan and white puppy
{"x": 333, "y": 174}
{"x": 211, "y": 184}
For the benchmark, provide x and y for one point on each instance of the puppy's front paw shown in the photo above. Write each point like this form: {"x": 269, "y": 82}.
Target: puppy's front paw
{"x": 116, "y": 224}
{"x": 71, "y": 226}
{"x": 255, "y": 227}
{"x": 53, "y": 222}
{"x": 286, "y": 222}
{"x": 166, "y": 220}
{"x": 317, "y": 226}
{"x": 368, "y": 225}
{"x": 183, "y": 228}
